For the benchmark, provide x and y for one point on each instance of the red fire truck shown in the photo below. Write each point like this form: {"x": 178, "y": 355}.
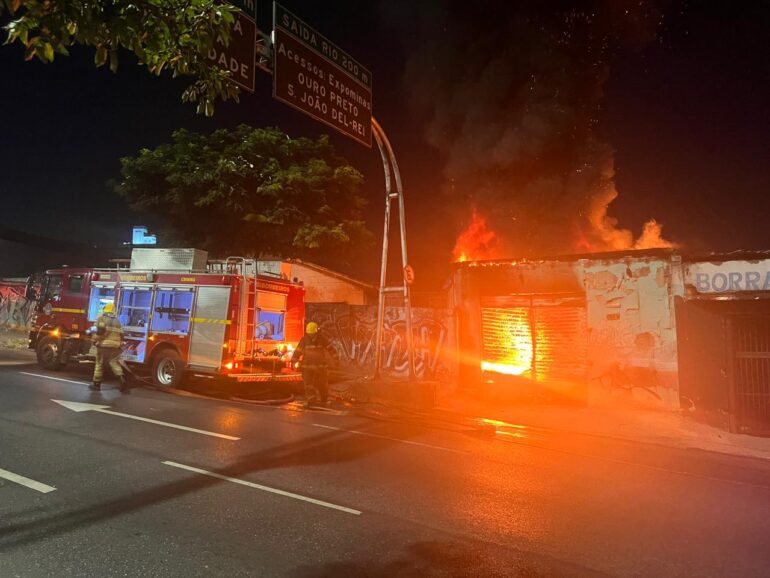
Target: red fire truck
{"x": 181, "y": 315}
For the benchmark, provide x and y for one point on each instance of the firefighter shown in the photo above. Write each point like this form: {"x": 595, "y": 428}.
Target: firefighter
{"x": 311, "y": 353}
{"x": 108, "y": 337}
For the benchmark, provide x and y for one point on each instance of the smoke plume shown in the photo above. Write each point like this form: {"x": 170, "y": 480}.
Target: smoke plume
{"x": 512, "y": 92}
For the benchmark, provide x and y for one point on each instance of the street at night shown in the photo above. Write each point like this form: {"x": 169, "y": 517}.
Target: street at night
{"x": 368, "y": 497}
{"x": 384, "y": 289}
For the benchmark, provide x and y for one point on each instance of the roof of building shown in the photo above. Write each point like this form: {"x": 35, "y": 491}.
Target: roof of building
{"x": 738, "y": 255}
{"x": 602, "y": 256}
{"x": 331, "y": 273}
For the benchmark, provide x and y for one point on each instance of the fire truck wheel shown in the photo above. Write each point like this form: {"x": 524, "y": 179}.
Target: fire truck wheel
{"x": 49, "y": 353}
{"x": 168, "y": 369}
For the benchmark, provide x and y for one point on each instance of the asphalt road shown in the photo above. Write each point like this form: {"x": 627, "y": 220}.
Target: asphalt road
{"x": 312, "y": 494}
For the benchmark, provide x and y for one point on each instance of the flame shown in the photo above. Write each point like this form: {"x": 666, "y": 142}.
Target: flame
{"x": 594, "y": 230}
{"x": 652, "y": 237}
{"x": 505, "y": 368}
{"x": 477, "y": 241}
{"x": 508, "y": 347}
{"x": 604, "y": 235}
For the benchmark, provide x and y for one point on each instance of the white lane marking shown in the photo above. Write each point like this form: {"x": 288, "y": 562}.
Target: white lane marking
{"x": 29, "y": 483}
{"x": 54, "y": 378}
{"x": 363, "y": 433}
{"x": 523, "y": 435}
{"x": 79, "y": 407}
{"x": 265, "y": 488}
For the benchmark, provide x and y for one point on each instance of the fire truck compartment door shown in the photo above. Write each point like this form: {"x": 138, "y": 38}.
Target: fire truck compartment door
{"x": 208, "y": 326}
{"x": 271, "y": 301}
{"x": 101, "y": 294}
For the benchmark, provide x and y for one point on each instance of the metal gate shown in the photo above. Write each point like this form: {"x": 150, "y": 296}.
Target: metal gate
{"x": 544, "y": 338}
{"x": 751, "y": 373}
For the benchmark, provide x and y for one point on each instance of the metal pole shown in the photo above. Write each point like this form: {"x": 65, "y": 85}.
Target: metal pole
{"x": 404, "y": 257}
{"x": 264, "y": 62}
{"x": 384, "y": 265}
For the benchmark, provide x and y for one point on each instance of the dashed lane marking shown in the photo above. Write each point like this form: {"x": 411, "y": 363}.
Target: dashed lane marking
{"x": 27, "y": 482}
{"x": 264, "y": 488}
{"x": 54, "y": 378}
{"x": 411, "y": 443}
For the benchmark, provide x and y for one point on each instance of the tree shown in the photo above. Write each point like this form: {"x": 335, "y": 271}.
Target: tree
{"x": 251, "y": 192}
{"x": 173, "y": 35}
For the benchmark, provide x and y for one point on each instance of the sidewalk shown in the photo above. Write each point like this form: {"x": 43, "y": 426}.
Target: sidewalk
{"x": 13, "y": 338}
{"x": 669, "y": 429}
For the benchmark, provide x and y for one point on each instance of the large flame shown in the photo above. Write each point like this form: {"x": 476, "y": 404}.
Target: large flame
{"x": 603, "y": 233}
{"x": 596, "y": 233}
{"x": 477, "y": 241}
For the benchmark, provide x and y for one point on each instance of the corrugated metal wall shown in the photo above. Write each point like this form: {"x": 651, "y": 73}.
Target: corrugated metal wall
{"x": 544, "y": 338}
{"x": 507, "y": 338}
{"x": 561, "y": 343}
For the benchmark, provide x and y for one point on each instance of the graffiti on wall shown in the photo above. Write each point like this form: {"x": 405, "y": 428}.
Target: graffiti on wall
{"x": 352, "y": 332}
{"x": 15, "y": 309}
{"x": 632, "y": 330}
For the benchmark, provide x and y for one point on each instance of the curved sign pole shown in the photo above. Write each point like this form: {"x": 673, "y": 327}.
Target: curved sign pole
{"x": 291, "y": 35}
{"x": 388, "y": 162}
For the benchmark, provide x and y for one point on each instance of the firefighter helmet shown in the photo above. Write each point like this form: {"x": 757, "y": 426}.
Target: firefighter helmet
{"x": 312, "y": 328}
{"x": 109, "y": 308}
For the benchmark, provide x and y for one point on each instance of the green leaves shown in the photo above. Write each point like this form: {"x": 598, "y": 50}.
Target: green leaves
{"x": 171, "y": 35}
{"x": 251, "y": 191}
{"x": 100, "y": 57}
{"x": 47, "y": 51}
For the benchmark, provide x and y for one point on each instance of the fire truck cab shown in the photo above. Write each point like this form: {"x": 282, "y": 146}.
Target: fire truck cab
{"x": 181, "y": 314}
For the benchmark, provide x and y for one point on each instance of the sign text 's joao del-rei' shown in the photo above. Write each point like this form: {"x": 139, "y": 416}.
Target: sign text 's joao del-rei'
{"x": 317, "y": 78}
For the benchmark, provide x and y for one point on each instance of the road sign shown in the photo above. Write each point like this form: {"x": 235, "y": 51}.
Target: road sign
{"x": 408, "y": 274}
{"x": 313, "y": 75}
{"x": 248, "y": 7}
{"x": 240, "y": 55}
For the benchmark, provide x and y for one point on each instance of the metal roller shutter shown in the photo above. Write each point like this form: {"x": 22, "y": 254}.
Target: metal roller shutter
{"x": 545, "y": 338}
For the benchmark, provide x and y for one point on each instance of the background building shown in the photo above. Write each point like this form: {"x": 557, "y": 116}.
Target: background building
{"x": 651, "y": 327}
{"x": 323, "y": 285}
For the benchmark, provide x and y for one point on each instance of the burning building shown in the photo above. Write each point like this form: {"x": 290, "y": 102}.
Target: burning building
{"x": 653, "y": 326}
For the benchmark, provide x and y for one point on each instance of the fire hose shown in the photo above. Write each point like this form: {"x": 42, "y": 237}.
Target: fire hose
{"x": 135, "y": 377}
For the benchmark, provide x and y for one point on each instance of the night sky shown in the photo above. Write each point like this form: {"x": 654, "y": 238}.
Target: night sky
{"x": 686, "y": 110}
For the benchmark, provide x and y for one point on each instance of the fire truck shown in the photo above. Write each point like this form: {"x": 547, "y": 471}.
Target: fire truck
{"x": 181, "y": 314}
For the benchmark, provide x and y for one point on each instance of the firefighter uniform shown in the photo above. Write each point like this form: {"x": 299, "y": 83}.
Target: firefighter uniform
{"x": 311, "y": 352}
{"x": 108, "y": 337}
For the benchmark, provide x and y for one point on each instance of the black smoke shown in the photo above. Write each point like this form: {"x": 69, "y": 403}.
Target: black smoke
{"x": 512, "y": 94}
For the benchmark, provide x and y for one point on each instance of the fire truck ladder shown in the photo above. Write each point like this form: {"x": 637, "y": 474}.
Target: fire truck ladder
{"x": 247, "y": 322}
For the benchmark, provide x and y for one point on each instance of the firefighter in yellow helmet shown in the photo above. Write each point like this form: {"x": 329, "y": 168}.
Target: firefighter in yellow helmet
{"x": 108, "y": 337}
{"x": 312, "y": 355}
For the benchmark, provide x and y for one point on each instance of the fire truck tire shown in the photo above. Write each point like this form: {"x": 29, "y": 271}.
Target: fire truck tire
{"x": 168, "y": 368}
{"x": 49, "y": 353}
